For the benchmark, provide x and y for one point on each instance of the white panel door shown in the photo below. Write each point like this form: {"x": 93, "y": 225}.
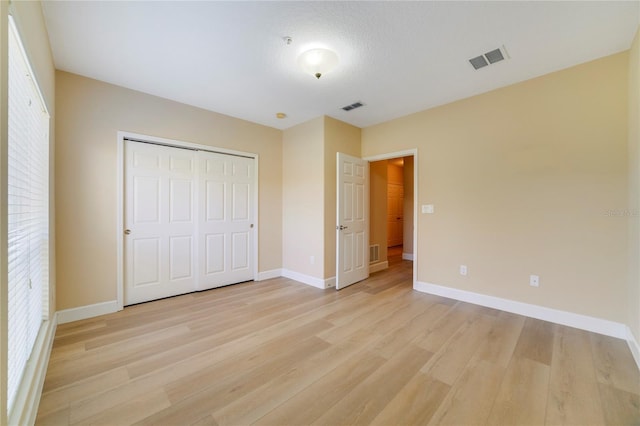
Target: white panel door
{"x": 352, "y": 239}
{"x": 395, "y": 214}
{"x": 226, "y": 224}
{"x": 160, "y": 222}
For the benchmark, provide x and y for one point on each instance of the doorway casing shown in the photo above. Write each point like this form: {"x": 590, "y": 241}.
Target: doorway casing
{"x": 407, "y": 153}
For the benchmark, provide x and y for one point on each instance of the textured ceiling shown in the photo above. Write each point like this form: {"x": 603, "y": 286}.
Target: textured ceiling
{"x": 395, "y": 57}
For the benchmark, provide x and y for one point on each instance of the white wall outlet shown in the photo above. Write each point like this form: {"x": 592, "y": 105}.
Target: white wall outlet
{"x": 534, "y": 280}
{"x": 312, "y": 260}
{"x": 463, "y": 270}
{"x": 428, "y": 208}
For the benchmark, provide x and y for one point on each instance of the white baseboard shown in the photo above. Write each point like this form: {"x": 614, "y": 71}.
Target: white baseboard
{"x": 267, "y": 275}
{"x": 407, "y": 256}
{"x": 309, "y": 280}
{"x": 89, "y": 311}
{"x": 25, "y": 406}
{"x": 378, "y": 266}
{"x": 584, "y": 322}
{"x": 633, "y": 346}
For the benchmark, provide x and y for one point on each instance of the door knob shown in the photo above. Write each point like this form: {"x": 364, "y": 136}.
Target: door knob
{"x": 127, "y": 231}
{"x": 341, "y": 227}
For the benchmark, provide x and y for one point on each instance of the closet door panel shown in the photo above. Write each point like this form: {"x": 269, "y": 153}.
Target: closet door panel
{"x": 160, "y": 224}
{"x": 227, "y": 220}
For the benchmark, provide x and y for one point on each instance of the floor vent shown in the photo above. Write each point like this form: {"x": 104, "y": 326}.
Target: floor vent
{"x": 374, "y": 253}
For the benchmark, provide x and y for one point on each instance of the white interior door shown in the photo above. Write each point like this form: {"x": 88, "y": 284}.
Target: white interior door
{"x": 395, "y": 214}
{"x": 226, "y": 226}
{"x": 160, "y": 221}
{"x": 352, "y": 239}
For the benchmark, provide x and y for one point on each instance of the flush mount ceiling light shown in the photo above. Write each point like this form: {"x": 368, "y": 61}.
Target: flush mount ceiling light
{"x": 317, "y": 62}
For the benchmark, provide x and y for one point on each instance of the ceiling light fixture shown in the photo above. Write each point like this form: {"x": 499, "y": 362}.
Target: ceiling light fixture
{"x": 317, "y": 62}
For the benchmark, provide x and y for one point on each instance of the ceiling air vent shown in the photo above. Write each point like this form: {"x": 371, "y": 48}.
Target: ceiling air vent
{"x": 352, "y": 106}
{"x": 492, "y": 57}
{"x": 478, "y": 62}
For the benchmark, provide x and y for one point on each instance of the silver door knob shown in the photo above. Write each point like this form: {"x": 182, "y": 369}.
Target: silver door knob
{"x": 127, "y": 231}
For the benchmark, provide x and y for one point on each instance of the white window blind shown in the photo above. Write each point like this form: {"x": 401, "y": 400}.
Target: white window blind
{"x": 28, "y": 213}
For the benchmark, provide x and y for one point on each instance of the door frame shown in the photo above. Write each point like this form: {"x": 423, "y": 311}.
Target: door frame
{"x": 407, "y": 153}
{"x": 121, "y": 136}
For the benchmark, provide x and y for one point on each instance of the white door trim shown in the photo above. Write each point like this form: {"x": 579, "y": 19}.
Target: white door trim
{"x": 407, "y": 153}
{"x": 121, "y": 136}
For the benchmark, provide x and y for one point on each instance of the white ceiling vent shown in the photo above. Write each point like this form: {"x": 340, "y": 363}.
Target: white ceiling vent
{"x": 352, "y": 106}
{"x": 492, "y": 57}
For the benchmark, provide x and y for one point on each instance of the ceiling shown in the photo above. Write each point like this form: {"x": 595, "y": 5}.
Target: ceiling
{"x": 395, "y": 57}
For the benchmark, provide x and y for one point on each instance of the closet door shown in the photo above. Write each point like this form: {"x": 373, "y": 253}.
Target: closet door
{"x": 160, "y": 222}
{"x": 226, "y": 226}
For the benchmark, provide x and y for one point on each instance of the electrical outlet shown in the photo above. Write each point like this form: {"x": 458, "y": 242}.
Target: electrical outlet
{"x": 463, "y": 270}
{"x": 312, "y": 260}
{"x": 534, "y": 280}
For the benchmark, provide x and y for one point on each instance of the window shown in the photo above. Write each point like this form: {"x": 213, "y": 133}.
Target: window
{"x": 28, "y": 213}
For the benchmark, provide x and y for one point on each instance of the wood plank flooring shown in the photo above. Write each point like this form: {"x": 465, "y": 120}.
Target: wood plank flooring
{"x": 281, "y": 353}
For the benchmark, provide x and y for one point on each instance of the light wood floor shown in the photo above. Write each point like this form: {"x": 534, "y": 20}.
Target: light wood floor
{"x": 282, "y": 353}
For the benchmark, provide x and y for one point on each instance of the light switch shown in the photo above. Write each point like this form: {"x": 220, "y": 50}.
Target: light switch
{"x": 427, "y": 208}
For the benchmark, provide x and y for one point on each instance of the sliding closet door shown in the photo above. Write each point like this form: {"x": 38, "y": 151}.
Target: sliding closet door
{"x": 160, "y": 222}
{"x": 226, "y": 226}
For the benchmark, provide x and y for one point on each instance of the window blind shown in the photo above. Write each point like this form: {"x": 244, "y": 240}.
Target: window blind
{"x": 28, "y": 213}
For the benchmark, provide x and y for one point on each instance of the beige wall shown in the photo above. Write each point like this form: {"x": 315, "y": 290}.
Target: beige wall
{"x": 309, "y": 193}
{"x": 634, "y": 188}
{"x": 344, "y": 138}
{"x": 30, "y": 22}
{"x": 407, "y": 239}
{"x": 302, "y": 200}
{"x": 90, "y": 113}
{"x": 378, "y": 206}
{"x": 521, "y": 179}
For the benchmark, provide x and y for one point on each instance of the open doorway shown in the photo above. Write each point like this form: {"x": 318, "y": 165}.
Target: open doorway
{"x": 391, "y": 211}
